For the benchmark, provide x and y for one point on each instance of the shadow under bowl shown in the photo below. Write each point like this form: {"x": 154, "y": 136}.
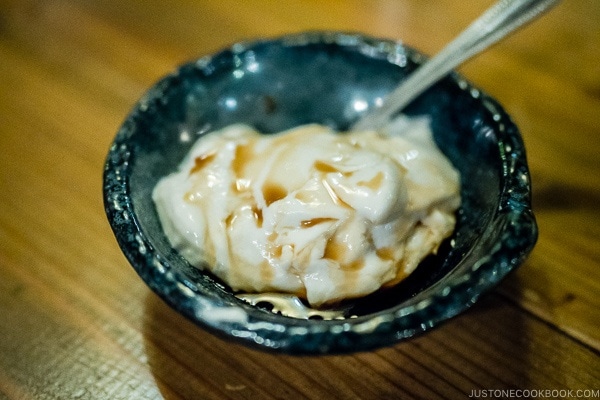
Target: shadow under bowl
{"x": 329, "y": 78}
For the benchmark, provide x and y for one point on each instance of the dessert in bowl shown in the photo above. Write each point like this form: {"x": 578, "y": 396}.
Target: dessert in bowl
{"x": 330, "y": 79}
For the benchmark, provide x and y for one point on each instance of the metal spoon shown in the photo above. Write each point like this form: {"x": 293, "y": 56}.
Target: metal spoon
{"x": 498, "y": 21}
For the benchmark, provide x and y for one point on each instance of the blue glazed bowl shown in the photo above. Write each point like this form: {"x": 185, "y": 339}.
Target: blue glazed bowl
{"x": 324, "y": 77}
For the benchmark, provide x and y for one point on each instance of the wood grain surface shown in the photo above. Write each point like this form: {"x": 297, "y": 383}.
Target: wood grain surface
{"x": 76, "y": 322}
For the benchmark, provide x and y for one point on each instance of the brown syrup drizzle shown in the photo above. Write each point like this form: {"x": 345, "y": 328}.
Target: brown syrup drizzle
{"x": 243, "y": 155}
{"x": 258, "y": 216}
{"x": 273, "y": 192}
{"x": 315, "y": 221}
{"x": 201, "y": 161}
{"x": 374, "y": 183}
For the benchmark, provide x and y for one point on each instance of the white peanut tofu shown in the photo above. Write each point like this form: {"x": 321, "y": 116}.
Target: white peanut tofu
{"x": 312, "y": 212}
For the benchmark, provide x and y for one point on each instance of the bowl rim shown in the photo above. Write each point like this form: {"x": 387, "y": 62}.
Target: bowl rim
{"x": 264, "y": 330}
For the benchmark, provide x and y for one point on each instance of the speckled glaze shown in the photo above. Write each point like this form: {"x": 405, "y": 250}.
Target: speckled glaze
{"x": 329, "y": 78}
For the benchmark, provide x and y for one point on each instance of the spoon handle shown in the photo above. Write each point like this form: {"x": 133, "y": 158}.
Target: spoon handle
{"x": 498, "y": 21}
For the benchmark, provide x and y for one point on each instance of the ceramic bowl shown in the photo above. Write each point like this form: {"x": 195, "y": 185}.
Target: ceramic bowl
{"x": 329, "y": 78}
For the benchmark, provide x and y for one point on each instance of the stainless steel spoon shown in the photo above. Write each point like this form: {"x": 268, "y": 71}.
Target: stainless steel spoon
{"x": 495, "y": 23}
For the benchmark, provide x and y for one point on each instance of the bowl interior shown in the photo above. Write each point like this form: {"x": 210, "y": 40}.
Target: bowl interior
{"x": 324, "y": 78}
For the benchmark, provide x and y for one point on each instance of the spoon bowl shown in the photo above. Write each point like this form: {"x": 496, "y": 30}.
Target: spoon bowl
{"x": 330, "y": 78}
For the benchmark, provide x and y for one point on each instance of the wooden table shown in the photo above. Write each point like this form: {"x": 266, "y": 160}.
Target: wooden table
{"x": 77, "y": 322}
